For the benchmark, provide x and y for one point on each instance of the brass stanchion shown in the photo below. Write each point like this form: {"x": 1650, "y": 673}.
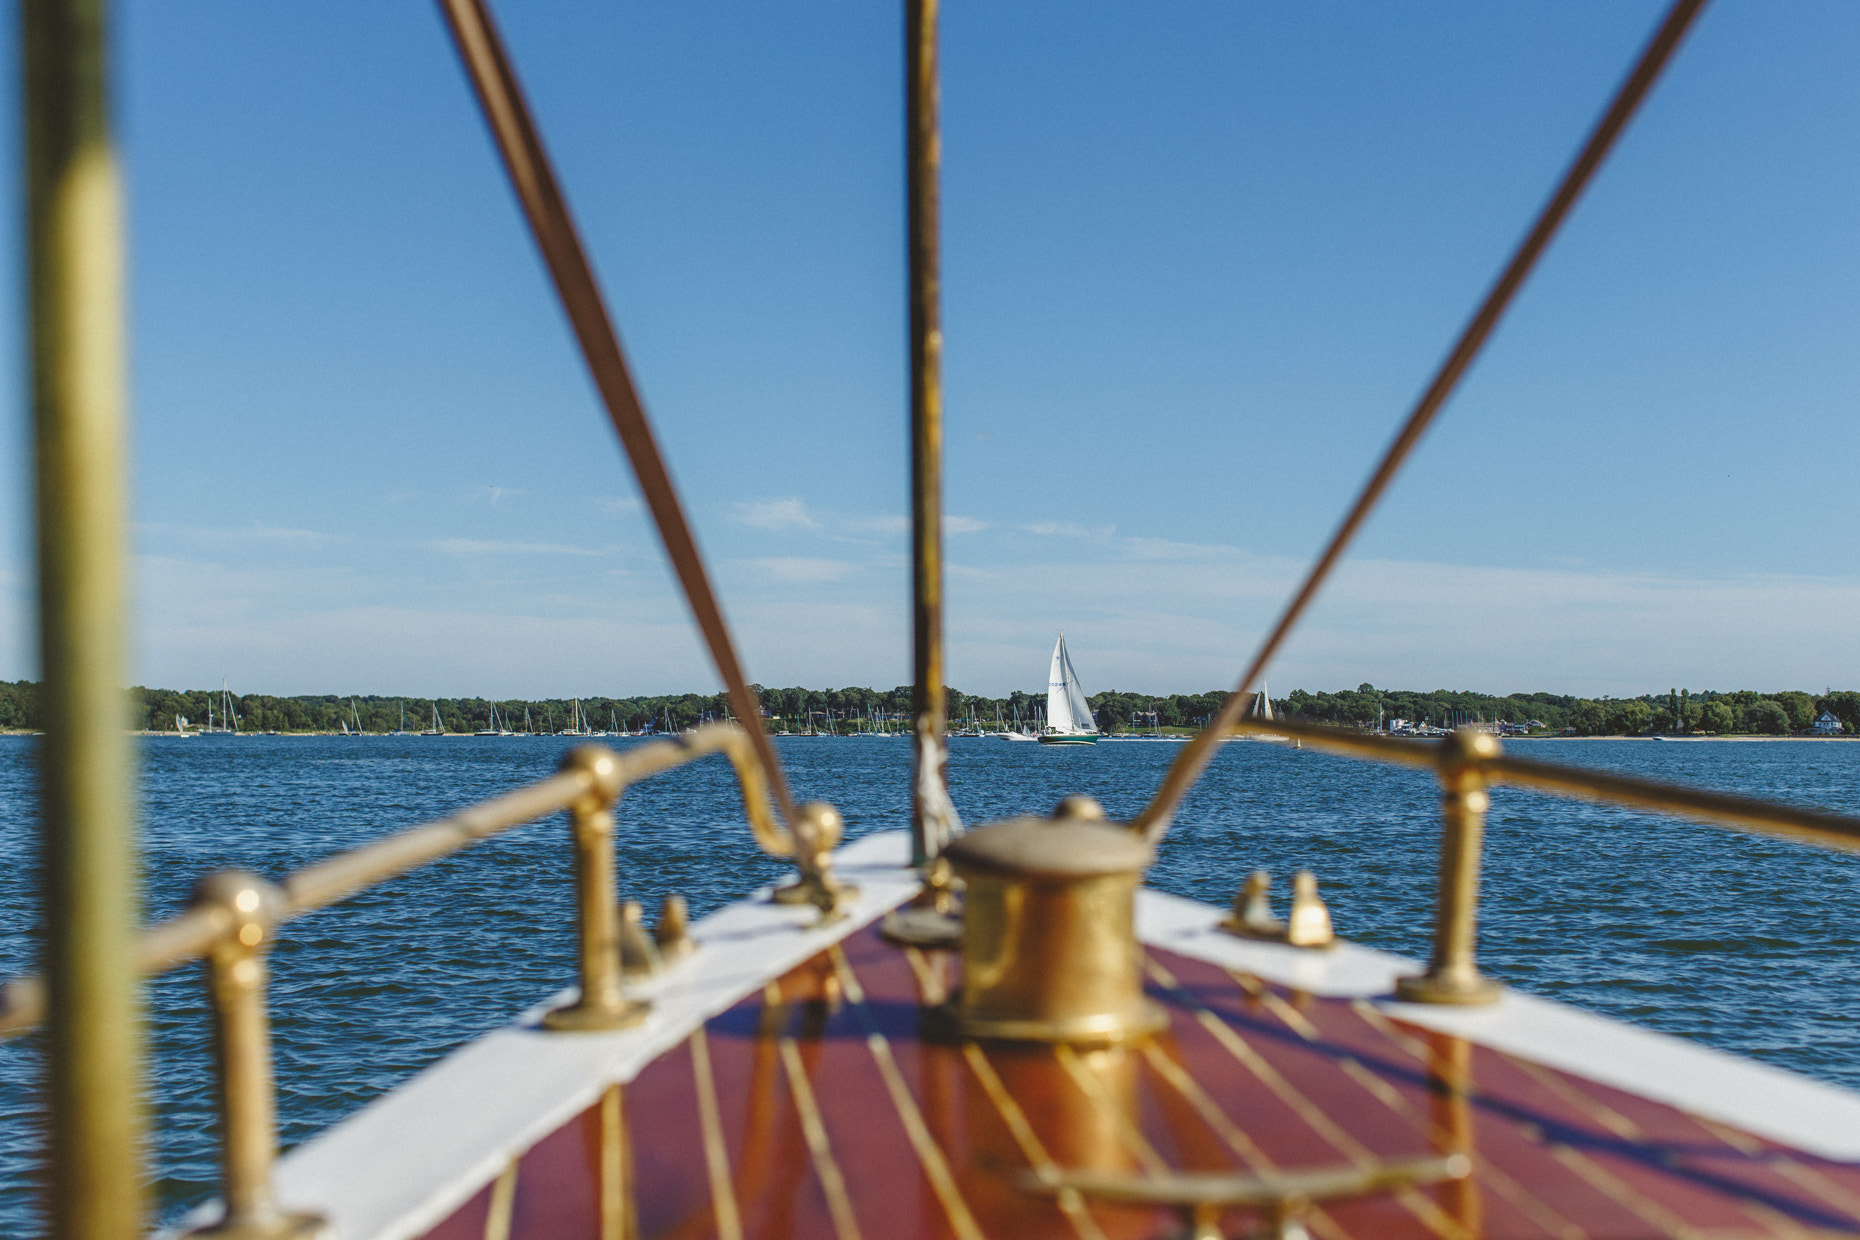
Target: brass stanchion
{"x": 236, "y": 975}
{"x": 1453, "y": 975}
{"x": 603, "y": 1003}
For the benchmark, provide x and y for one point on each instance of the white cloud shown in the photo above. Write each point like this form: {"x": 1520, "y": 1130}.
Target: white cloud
{"x": 493, "y": 546}
{"x": 963, "y": 525}
{"x": 803, "y": 570}
{"x": 786, "y": 514}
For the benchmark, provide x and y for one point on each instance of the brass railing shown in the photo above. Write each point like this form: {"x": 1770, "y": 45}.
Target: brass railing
{"x": 1467, "y": 763}
{"x": 234, "y": 916}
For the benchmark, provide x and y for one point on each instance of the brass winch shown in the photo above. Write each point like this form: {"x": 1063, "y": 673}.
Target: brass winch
{"x": 1049, "y": 941}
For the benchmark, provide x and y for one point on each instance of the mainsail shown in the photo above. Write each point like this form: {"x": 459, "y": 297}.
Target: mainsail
{"x": 1067, "y": 711}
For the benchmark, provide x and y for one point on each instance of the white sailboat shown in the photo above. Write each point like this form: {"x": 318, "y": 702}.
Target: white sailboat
{"x": 1068, "y": 715}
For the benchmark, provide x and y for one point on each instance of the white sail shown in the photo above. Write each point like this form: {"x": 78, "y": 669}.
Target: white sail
{"x": 1067, "y": 711}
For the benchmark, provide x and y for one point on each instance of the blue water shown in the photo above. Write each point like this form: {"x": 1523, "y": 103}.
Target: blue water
{"x": 1742, "y": 943}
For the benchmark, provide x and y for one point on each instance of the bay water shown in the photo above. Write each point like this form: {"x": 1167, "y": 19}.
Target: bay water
{"x": 1747, "y": 944}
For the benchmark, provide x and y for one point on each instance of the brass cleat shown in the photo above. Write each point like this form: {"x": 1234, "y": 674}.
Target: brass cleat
{"x": 672, "y": 934}
{"x": 1252, "y": 916}
{"x": 639, "y": 955}
{"x": 1309, "y": 925}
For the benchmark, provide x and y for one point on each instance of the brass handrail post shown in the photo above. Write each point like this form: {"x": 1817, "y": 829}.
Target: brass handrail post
{"x": 1453, "y": 974}
{"x": 74, "y": 244}
{"x": 251, "y": 909}
{"x": 603, "y": 1003}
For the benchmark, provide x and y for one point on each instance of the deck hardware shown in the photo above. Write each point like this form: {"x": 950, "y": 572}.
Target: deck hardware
{"x": 671, "y": 933}
{"x": 1283, "y": 1197}
{"x": 1252, "y": 916}
{"x": 639, "y": 955}
{"x": 1453, "y": 975}
{"x": 602, "y": 1004}
{"x": 247, "y": 910}
{"x": 1307, "y": 926}
{"x": 1049, "y": 944}
{"x": 933, "y": 918}
{"x": 818, "y": 829}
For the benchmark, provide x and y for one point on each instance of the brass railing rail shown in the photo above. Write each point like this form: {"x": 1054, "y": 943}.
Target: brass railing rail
{"x": 1723, "y": 808}
{"x": 1470, "y": 761}
{"x": 234, "y": 918}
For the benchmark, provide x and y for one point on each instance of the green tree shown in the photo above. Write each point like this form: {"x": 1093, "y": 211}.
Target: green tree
{"x": 1716, "y": 717}
{"x": 1589, "y": 719}
{"x": 1800, "y": 707}
{"x": 1767, "y": 716}
{"x": 1629, "y": 718}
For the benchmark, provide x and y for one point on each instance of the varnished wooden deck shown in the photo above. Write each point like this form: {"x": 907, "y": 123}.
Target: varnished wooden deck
{"x": 814, "y": 1110}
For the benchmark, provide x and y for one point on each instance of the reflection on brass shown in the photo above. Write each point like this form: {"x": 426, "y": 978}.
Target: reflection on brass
{"x": 1453, "y": 975}
{"x": 716, "y": 1153}
{"x": 1283, "y": 1197}
{"x": 1049, "y": 945}
{"x": 602, "y": 1003}
{"x": 619, "y": 1219}
{"x": 671, "y": 935}
{"x": 503, "y": 1203}
{"x": 1449, "y": 1070}
{"x": 818, "y": 829}
{"x": 248, "y": 908}
{"x": 1194, "y": 758}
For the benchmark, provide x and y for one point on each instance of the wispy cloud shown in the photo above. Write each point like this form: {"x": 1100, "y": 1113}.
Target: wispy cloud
{"x": 780, "y": 515}
{"x": 254, "y": 533}
{"x": 619, "y": 504}
{"x": 493, "y": 546}
{"x": 964, "y": 525}
{"x": 498, "y": 494}
{"x": 803, "y": 570}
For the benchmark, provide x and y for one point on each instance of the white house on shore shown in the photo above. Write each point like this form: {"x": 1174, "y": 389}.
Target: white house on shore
{"x": 1827, "y": 725}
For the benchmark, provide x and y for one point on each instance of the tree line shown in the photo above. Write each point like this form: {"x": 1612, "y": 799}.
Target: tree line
{"x": 799, "y": 709}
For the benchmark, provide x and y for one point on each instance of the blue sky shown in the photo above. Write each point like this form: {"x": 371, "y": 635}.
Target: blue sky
{"x": 1198, "y": 263}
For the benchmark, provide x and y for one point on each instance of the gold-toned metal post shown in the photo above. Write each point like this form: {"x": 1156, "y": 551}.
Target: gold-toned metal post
{"x": 75, "y": 280}
{"x": 1453, "y": 974}
{"x": 249, "y": 909}
{"x": 933, "y": 817}
{"x": 603, "y": 1003}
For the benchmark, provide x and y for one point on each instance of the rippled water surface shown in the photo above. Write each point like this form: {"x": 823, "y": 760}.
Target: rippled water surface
{"x": 1746, "y": 944}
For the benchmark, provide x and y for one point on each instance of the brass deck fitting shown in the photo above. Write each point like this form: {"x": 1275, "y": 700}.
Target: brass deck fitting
{"x": 1049, "y": 942}
{"x": 249, "y": 910}
{"x": 1307, "y": 926}
{"x": 602, "y": 1004}
{"x": 933, "y": 918}
{"x": 1453, "y": 975}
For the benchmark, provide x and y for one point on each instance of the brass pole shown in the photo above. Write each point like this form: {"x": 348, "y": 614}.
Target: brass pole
{"x": 249, "y": 909}
{"x": 932, "y": 815}
{"x": 1195, "y": 756}
{"x": 533, "y": 177}
{"x": 75, "y": 284}
{"x": 1453, "y": 974}
{"x": 603, "y": 1003}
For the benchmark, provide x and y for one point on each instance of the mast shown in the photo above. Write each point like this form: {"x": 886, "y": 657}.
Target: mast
{"x": 933, "y": 817}
{"x": 93, "y": 1076}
